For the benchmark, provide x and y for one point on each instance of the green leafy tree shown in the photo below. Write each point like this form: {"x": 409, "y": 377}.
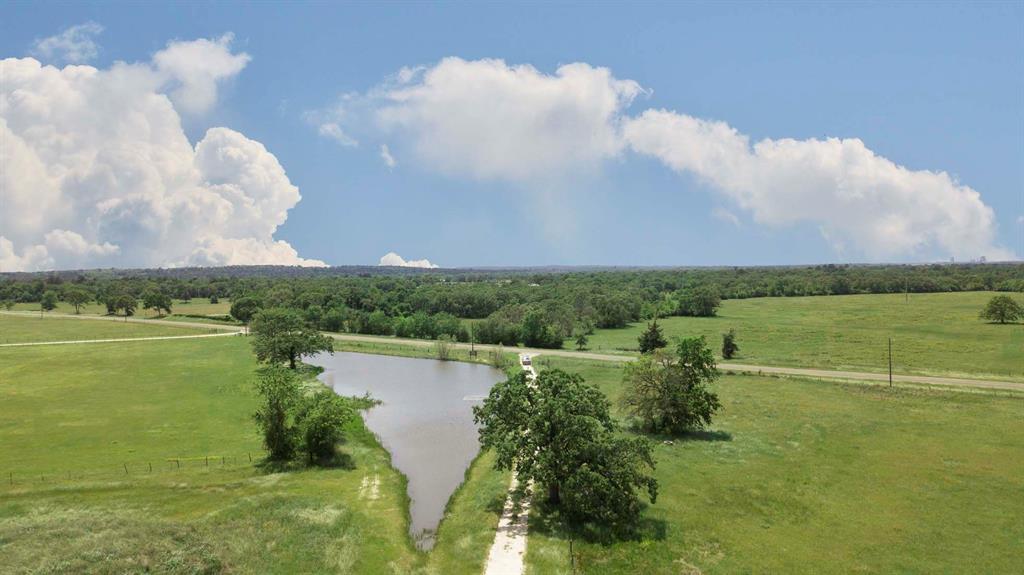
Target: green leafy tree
{"x": 279, "y": 392}
{"x": 1002, "y": 309}
{"x": 669, "y": 393}
{"x": 77, "y": 297}
{"x": 581, "y": 341}
{"x": 320, "y": 422}
{"x": 558, "y": 432}
{"x": 157, "y": 301}
{"x": 537, "y": 333}
{"x": 244, "y": 309}
{"x": 443, "y": 347}
{"x": 7, "y": 304}
{"x": 729, "y": 346}
{"x": 48, "y": 302}
{"x": 651, "y": 339}
{"x": 702, "y": 301}
{"x": 126, "y": 304}
{"x": 280, "y": 335}
{"x": 214, "y": 299}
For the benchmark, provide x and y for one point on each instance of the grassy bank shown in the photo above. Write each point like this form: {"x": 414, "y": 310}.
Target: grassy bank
{"x": 933, "y": 334}
{"x": 130, "y": 458}
{"x": 807, "y": 477}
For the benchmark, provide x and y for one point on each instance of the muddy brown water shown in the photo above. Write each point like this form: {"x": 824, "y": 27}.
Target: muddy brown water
{"x": 425, "y": 421}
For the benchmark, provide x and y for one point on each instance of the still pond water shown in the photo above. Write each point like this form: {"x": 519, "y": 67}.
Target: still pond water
{"x": 425, "y": 421}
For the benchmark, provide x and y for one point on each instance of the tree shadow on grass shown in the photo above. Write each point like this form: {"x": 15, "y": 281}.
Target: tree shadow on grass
{"x": 547, "y": 519}
{"x": 697, "y": 435}
{"x": 340, "y": 460}
{"x": 705, "y": 435}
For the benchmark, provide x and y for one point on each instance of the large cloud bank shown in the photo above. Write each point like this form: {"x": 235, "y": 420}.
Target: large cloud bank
{"x": 395, "y": 260}
{"x": 854, "y": 196}
{"x": 97, "y": 171}
{"x": 489, "y": 120}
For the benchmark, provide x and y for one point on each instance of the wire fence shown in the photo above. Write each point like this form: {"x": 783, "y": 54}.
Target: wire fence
{"x": 15, "y": 475}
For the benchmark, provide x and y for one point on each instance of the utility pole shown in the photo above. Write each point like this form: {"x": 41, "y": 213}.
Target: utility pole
{"x": 890, "y": 362}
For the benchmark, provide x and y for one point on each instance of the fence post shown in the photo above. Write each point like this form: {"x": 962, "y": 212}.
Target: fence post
{"x": 207, "y": 460}
{"x": 151, "y": 467}
{"x": 125, "y": 468}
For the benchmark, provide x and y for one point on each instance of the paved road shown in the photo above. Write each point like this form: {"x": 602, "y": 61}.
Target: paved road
{"x": 768, "y": 369}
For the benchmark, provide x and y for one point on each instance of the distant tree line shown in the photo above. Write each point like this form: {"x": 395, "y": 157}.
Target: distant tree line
{"x": 538, "y": 309}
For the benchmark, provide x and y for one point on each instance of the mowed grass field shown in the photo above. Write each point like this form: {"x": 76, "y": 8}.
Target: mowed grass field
{"x": 32, "y": 328}
{"x": 80, "y": 426}
{"x": 808, "y": 477}
{"x": 933, "y": 334}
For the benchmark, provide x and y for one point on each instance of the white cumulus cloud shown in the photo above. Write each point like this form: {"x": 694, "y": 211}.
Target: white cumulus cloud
{"x": 855, "y": 197}
{"x": 393, "y": 259}
{"x": 489, "y": 120}
{"x": 385, "y": 154}
{"x": 195, "y": 68}
{"x": 333, "y": 131}
{"x": 75, "y": 45}
{"x": 97, "y": 170}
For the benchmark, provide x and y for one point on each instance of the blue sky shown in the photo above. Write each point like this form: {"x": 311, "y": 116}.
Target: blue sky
{"x": 936, "y": 87}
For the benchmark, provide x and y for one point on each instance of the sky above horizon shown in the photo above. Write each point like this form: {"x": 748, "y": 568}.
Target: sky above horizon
{"x": 151, "y": 134}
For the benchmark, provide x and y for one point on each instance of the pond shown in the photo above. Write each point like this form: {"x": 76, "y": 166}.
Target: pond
{"x": 425, "y": 421}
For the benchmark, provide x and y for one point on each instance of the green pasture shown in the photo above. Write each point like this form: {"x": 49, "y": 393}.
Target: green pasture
{"x": 199, "y": 306}
{"x": 134, "y": 457}
{"x": 800, "y": 476}
{"x": 932, "y": 334}
{"x": 32, "y": 328}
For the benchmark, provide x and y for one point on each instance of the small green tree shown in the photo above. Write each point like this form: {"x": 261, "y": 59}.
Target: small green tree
{"x": 581, "y": 341}
{"x": 701, "y": 301}
{"x": 497, "y": 357}
{"x": 558, "y": 431}
{"x": 77, "y": 297}
{"x": 729, "y": 346}
{"x": 244, "y": 309}
{"x": 214, "y": 299}
{"x": 48, "y": 302}
{"x": 7, "y": 304}
{"x": 443, "y": 347}
{"x": 126, "y": 304}
{"x": 320, "y": 422}
{"x": 157, "y": 301}
{"x": 651, "y": 339}
{"x": 669, "y": 393}
{"x": 1002, "y": 309}
{"x": 280, "y": 335}
{"x": 279, "y": 391}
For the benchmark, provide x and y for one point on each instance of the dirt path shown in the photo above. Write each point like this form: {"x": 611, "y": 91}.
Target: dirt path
{"x": 508, "y": 552}
{"x": 192, "y": 324}
{"x": 115, "y": 340}
{"x": 745, "y": 368}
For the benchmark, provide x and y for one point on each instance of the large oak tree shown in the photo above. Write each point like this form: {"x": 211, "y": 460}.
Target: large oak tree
{"x": 558, "y": 432}
{"x": 281, "y": 335}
